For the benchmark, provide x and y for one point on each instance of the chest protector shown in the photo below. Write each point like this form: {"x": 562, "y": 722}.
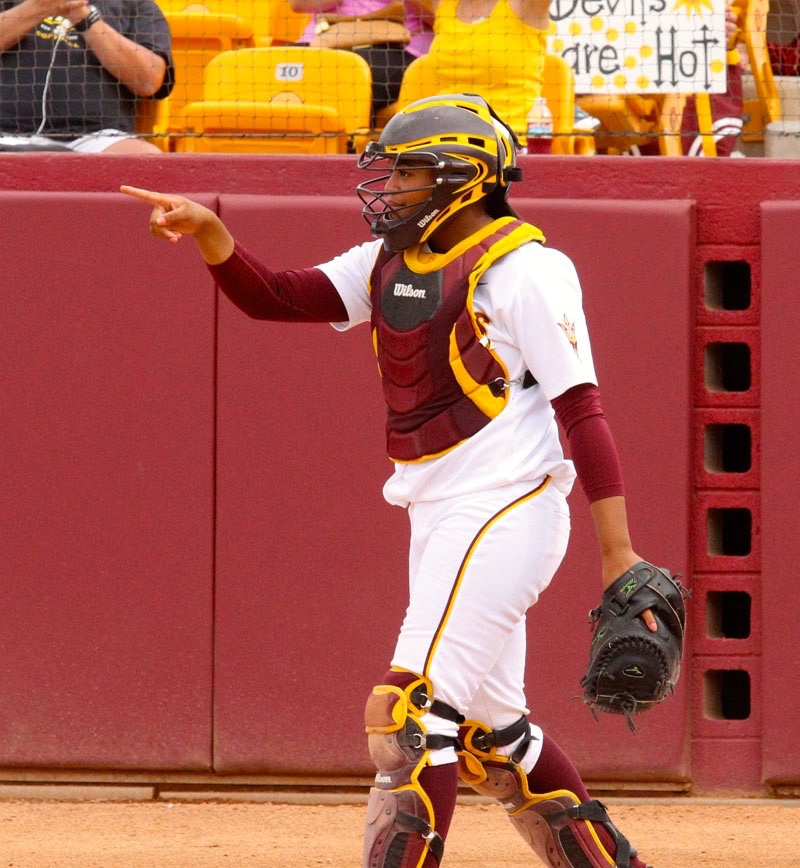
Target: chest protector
{"x": 441, "y": 380}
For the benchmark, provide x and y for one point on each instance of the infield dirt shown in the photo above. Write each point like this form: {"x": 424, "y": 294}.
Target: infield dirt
{"x": 160, "y": 834}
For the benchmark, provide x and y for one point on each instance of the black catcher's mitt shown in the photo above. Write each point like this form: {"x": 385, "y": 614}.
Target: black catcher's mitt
{"x": 631, "y": 668}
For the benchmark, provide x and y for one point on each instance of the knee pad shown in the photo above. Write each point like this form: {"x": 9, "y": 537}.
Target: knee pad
{"x": 400, "y": 826}
{"x": 557, "y": 826}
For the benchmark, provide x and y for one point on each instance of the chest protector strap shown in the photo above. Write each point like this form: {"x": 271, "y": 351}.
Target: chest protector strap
{"x": 442, "y": 381}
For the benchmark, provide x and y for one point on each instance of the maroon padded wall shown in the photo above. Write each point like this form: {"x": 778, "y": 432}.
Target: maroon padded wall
{"x": 107, "y": 358}
{"x": 310, "y": 559}
{"x": 311, "y": 562}
{"x": 780, "y": 489}
{"x": 639, "y": 322}
{"x": 199, "y": 569}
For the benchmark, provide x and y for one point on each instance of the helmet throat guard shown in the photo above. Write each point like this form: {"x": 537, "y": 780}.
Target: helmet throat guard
{"x": 460, "y": 143}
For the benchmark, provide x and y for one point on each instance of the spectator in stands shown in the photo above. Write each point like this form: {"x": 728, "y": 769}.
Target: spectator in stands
{"x": 419, "y": 21}
{"x": 495, "y": 48}
{"x": 785, "y": 56}
{"x": 386, "y": 33}
{"x": 783, "y": 37}
{"x": 727, "y": 109}
{"x": 72, "y": 73}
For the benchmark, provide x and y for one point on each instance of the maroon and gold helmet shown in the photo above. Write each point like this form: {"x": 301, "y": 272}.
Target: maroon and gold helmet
{"x": 471, "y": 151}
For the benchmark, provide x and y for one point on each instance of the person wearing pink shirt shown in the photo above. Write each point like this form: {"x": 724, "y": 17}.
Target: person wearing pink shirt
{"x": 387, "y": 60}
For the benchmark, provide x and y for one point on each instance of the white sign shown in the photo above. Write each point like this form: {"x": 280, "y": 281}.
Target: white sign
{"x": 641, "y": 46}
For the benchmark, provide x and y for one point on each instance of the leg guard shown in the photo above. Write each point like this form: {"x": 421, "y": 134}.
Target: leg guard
{"x": 557, "y": 826}
{"x": 401, "y": 825}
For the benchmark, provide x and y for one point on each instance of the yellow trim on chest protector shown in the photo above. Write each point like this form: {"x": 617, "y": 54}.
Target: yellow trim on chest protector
{"x": 423, "y": 262}
{"x": 481, "y": 395}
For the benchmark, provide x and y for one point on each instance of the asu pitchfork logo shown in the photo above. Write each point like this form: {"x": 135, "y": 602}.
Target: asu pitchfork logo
{"x": 569, "y": 330}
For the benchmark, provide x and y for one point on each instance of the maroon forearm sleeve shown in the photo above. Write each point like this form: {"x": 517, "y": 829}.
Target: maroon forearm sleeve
{"x": 592, "y": 446}
{"x": 303, "y": 295}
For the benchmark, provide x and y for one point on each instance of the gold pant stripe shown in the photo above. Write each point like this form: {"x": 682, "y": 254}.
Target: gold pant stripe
{"x": 465, "y": 563}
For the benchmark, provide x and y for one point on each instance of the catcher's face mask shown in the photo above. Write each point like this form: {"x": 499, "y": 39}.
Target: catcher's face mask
{"x": 405, "y": 197}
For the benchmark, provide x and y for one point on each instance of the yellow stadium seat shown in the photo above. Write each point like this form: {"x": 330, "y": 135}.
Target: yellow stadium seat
{"x": 274, "y": 21}
{"x": 180, "y": 5}
{"x": 636, "y": 119}
{"x": 420, "y": 80}
{"x": 197, "y": 36}
{"x": 280, "y": 99}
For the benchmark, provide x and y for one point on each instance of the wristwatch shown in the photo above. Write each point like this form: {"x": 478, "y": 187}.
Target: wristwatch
{"x": 92, "y": 18}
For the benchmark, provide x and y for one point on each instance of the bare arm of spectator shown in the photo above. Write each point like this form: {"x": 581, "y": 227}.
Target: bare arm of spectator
{"x": 393, "y": 9}
{"x": 535, "y": 13}
{"x": 142, "y": 71}
{"x": 422, "y": 8}
{"x": 733, "y": 26}
{"x": 313, "y": 5}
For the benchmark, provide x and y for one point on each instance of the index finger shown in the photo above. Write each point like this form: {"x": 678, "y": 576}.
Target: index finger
{"x": 147, "y": 196}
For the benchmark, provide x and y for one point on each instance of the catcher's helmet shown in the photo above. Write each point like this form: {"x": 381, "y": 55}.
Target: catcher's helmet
{"x": 472, "y": 152}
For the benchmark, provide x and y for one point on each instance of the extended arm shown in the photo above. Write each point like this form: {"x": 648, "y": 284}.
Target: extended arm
{"x": 301, "y": 295}
{"x": 305, "y": 295}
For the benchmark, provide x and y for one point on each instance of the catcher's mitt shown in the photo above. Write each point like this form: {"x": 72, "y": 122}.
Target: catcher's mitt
{"x": 631, "y": 668}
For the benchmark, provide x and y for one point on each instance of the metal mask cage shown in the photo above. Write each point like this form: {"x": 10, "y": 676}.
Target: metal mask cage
{"x": 381, "y": 214}
{"x": 394, "y": 159}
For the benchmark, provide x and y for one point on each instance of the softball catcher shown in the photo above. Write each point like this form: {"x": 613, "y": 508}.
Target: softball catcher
{"x": 482, "y": 344}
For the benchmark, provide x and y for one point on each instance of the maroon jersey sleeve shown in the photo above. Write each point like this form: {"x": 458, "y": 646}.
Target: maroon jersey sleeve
{"x": 594, "y": 453}
{"x": 301, "y": 295}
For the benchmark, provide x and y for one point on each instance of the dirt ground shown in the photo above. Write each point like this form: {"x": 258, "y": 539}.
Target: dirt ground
{"x": 160, "y": 834}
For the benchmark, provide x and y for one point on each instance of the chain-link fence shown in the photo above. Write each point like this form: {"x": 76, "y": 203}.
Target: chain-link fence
{"x": 661, "y": 77}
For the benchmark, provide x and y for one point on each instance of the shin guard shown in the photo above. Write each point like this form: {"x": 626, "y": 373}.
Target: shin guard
{"x": 557, "y": 826}
{"x": 401, "y": 822}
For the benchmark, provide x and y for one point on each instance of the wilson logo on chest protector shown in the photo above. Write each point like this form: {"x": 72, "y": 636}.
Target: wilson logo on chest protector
{"x": 407, "y": 291}
{"x": 410, "y": 299}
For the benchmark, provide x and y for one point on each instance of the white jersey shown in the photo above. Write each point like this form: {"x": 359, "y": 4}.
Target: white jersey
{"x": 531, "y": 303}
